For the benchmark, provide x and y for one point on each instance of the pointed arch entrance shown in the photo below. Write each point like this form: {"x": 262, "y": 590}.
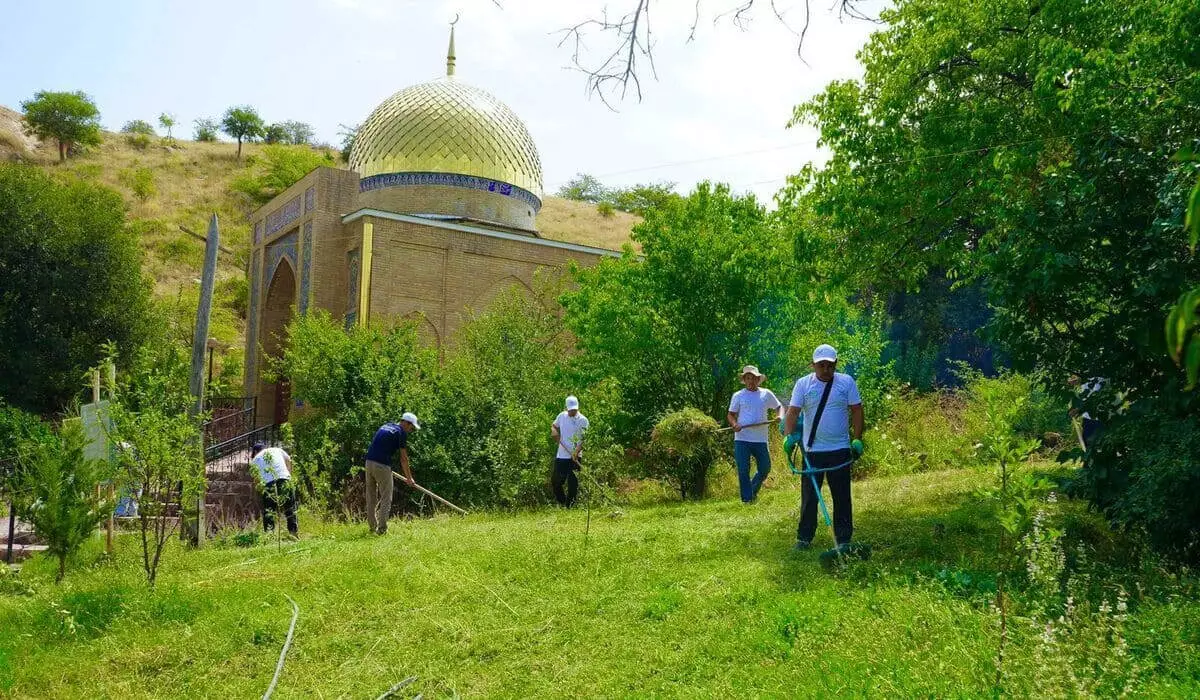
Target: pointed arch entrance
{"x": 274, "y": 398}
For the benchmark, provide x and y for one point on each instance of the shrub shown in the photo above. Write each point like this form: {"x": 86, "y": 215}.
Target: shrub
{"x": 278, "y": 169}
{"x": 60, "y": 492}
{"x": 351, "y": 383}
{"x": 140, "y": 180}
{"x": 606, "y": 210}
{"x": 683, "y": 448}
{"x": 206, "y": 130}
{"x": 138, "y": 133}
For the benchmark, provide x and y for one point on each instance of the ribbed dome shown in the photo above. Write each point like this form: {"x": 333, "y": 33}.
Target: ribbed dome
{"x": 445, "y": 126}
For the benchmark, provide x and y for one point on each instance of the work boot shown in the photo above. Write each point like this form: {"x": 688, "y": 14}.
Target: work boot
{"x": 801, "y": 546}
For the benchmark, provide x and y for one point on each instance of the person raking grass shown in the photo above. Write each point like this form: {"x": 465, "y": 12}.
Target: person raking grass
{"x": 389, "y": 439}
{"x": 831, "y": 440}
{"x": 568, "y": 430}
{"x": 748, "y": 418}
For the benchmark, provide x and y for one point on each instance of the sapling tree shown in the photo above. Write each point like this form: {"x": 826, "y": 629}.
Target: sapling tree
{"x": 159, "y": 455}
{"x": 61, "y": 494}
{"x": 167, "y": 121}
{"x": 243, "y": 124}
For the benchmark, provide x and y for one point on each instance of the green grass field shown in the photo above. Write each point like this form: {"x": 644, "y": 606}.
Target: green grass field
{"x": 696, "y": 600}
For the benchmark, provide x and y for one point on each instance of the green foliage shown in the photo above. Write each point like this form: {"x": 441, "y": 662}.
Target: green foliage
{"x": 18, "y": 427}
{"x": 243, "y": 124}
{"x": 605, "y": 209}
{"x": 488, "y": 436}
{"x": 70, "y": 118}
{"x": 351, "y": 382}
{"x": 1183, "y": 322}
{"x": 636, "y": 199}
{"x": 297, "y": 133}
{"x": 583, "y": 188}
{"x": 60, "y": 492}
{"x": 206, "y": 130}
{"x": 669, "y": 328}
{"x": 1029, "y": 149}
{"x": 72, "y": 271}
{"x": 278, "y": 168}
{"x": 273, "y": 134}
{"x": 140, "y": 179}
{"x": 347, "y": 134}
{"x": 683, "y": 448}
{"x": 160, "y": 461}
{"x": 138, "y": 133}
{"x": 167, "y": 121}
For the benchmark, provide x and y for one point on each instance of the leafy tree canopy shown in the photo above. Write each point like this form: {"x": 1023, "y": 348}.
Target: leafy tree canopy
{"x": 242, "y": 123}
{"x": 72, "y": 272}
{"x": 70, "y": 118}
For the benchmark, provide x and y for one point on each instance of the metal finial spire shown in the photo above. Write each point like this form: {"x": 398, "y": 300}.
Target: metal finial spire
{"x": 450, "y": 53}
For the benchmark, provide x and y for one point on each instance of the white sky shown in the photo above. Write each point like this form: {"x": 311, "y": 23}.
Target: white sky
{"x": 330, "y": 62}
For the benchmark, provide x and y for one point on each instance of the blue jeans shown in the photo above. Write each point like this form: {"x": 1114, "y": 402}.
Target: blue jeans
{"x": 742, "y": 452}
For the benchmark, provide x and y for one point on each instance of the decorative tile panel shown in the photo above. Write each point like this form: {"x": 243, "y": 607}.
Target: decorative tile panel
{"x": 351, "y": 319}
{"x": 283, "y": 247}
{"x": 305, "y": 266}
{"x": 470, "y": 182}
{"x": 257, "y": 232}
{"x": 310, "y": 199}
{"x": 282, "y": 217}
{"x": 353, "y": 266}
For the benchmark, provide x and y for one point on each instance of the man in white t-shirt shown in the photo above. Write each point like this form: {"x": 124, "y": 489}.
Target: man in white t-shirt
{"x": 274, "y": 468}
{"x": 568, "y": 430}
{"x": 836, "y": 422}
{"x": 747, "y": 409}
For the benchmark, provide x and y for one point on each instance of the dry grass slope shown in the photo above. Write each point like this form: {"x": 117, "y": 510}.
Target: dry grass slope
{"x": 169, "y": 185}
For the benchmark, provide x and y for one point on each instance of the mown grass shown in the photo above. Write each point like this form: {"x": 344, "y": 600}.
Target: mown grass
{"x": 673, "y": 599}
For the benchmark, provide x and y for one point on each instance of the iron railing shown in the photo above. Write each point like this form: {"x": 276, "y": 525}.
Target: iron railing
{"x": 234, "y": 454}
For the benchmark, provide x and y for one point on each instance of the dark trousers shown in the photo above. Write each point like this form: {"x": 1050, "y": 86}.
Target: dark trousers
{"x": 839, "y": 487}
{"x": 279, "y": 494}
{"x": 564, "y": 471}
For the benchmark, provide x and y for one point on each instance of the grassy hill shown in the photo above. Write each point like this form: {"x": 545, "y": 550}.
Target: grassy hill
{"x": 168, "y": 186}
{"x": 698, "y": 600}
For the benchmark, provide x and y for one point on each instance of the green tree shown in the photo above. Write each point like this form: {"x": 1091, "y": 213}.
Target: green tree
{"x": 206, "y": 130}
{"x": 637, "y": 199}
{"x": 583, "y": 188}
{"x": 347, "y": 135}
{"x": 167, "y": 121}
{"x": 70, "y": 118}
{"x": 298, "y": 133}
{"x": 72, "y": 281}
{"x": 138, "y": 126}
{"x": 1029, "y": 148}
{"x": 670, "y": 327}
{"x": 243, "y": 124}
{"x": 274, "y": 133}
{"x": 159, "y": 462}
{"x": 60, "y": 494}
{"x": 278, "y": 168}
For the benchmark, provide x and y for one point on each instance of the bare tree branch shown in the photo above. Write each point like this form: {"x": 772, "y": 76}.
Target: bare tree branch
{"x": 620, "y": 68}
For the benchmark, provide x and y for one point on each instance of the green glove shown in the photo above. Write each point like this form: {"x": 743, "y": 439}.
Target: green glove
{"x": 790, "y": 442}
{"x": 857, "y": 448}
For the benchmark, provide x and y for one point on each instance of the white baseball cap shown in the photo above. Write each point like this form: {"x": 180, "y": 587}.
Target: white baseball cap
{"x": 572, "y": 403}
{"x": 824, "y": 353}
{"x": 411, "y": 418}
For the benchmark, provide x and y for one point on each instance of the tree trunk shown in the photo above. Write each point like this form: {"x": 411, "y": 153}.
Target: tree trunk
{"x": 62, "y": 567}
{"x": 62, "y": 151}
{"x": 239, "y": 154}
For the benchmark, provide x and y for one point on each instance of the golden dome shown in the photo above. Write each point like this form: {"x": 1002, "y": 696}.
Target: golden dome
{"x": 445, "y": 126}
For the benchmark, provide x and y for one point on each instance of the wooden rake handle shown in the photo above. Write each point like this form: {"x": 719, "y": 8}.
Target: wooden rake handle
{"x": 431, "y": 494}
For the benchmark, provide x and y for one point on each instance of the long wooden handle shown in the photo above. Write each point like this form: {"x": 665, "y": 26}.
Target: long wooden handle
{"x": 748, "y": 425}
{"x": 431, "y": 494}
